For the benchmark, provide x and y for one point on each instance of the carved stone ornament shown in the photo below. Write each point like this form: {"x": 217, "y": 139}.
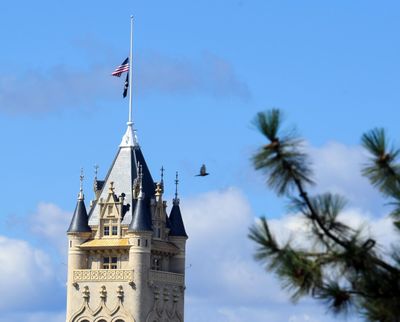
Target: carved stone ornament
{"x": 85, "y": 312}
{"x": 103, "y": 293}
{"x": 86, "y": 293}
{"x": 120, "y": 292}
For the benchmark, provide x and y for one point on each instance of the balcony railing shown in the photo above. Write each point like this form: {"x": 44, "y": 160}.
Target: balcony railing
{"x": 106, "y": 275}
{"x": 167, "y": 277}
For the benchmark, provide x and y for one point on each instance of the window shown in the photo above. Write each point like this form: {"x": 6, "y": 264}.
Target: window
{"x": 110, "y": 227}
{"x": 106, "y": 231}
{"x": 70, "y": 243}
{"x": 119, "y": 320}
{"x": 146, "y": 243}
{"x": 158, "y": 232}
{"x": 110, "y": 262}
{"x": 138, "y": 242}
{"x": 114, "y": 230}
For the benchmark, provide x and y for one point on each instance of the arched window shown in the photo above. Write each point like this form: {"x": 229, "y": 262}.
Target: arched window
{"x": 102, "y": 320}
{"x": 119, "y": 320}
{"x": 84, "y": 321}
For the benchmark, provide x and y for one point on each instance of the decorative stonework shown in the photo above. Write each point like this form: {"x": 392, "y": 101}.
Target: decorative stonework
{"x": 105, "y": 275}
{"x": 102, "y": 312}
{"x": 103, "y": 293}
{"x": 165, "y": 304}
{"x": 167, "y": 277}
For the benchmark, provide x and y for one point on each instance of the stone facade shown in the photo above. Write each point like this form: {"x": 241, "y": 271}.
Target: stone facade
{"x": 120, "y": 274}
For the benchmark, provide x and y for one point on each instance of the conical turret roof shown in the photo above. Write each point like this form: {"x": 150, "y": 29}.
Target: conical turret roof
{"x": 176, "y": 221}
{"x": 141, "y": 219}
{"x": 79, "y": 222}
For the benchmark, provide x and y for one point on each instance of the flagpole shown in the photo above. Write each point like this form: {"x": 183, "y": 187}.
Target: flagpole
{"x": 130, "y": 122}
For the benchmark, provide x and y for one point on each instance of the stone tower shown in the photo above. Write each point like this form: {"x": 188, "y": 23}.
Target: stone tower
{"x": 126, "y": 256}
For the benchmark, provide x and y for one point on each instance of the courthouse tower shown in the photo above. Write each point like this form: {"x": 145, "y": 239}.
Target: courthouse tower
{"x": 126, "y": 255}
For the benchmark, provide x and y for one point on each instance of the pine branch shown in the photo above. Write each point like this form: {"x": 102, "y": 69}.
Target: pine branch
{"x": 364, "y": 280}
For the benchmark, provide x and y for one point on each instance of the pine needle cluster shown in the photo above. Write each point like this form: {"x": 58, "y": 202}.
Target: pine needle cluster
{"x": 341, "y": 266}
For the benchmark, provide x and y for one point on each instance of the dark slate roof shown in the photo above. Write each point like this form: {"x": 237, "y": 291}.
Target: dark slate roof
{"x": 141, "y": 218}
{"x": 98, "y": 184}
{"x": 176, "y": 222}
{"x": 167, "y": 222}
{"x": 79, "y": 222}
{"x": 148, "y": 185}
{"x": 123, "y": 173}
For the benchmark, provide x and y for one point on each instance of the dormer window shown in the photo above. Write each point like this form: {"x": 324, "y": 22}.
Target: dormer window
{"x": 114, "y": 230}
{"x": 110, "y": 227}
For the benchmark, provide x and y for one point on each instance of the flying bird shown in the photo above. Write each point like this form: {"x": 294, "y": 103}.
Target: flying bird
{"x": 203, "y": 171}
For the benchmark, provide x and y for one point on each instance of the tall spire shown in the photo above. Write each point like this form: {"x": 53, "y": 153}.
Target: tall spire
{"x": 162, "y": 174}
{"x": 162, "y": 178}
{"x": 175, "y": 217}
{"x": 96, "y": 171}
{"x": 130, "y": 138}
{"x": 176, "y": 199}
{"x": 81, "y": 196}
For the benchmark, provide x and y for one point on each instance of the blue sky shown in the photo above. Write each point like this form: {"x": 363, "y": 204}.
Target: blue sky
{"x": 202, "y": 71}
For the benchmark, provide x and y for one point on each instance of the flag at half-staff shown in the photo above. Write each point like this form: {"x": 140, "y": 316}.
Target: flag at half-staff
{"x": 126, "y": 86}
{"x": 124, "y": 67}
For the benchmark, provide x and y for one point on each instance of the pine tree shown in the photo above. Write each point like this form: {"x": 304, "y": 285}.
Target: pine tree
{"x": 340, "y": 266}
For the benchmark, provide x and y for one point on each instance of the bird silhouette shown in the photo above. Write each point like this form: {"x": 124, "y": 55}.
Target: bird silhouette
{"x": 203, "y": 171}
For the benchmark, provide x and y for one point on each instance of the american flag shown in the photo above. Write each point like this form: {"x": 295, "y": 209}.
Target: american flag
{"x": 124, "y": 67}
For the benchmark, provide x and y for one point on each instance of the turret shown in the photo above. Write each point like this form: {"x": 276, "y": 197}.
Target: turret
{"x": 78, "y": 232}
{"x": 177, "y": 234}
{"x": 141, "y": 217}
{"x": 140, "y": 232}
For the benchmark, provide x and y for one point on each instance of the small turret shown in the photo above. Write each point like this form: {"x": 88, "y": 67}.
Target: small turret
{"x": 141, "y": 216}
{"x": 78, "y": 232}
{"x": 175, "y": 217}
{"x": 79, "y": 222}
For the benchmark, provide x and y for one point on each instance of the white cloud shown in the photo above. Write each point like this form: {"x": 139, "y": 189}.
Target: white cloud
{"x": 27, "y": 276}
{"x": 219, "y": 251}
{"x": 50, "y": 223}
{"x": 294, "y": 227}
{"x": 338, "y": 170}
{"x": 56, "y": 88}
{"x": 224, "y": 283}
{"x": 211, "y": 75}
{"x": 65, "y": 87}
